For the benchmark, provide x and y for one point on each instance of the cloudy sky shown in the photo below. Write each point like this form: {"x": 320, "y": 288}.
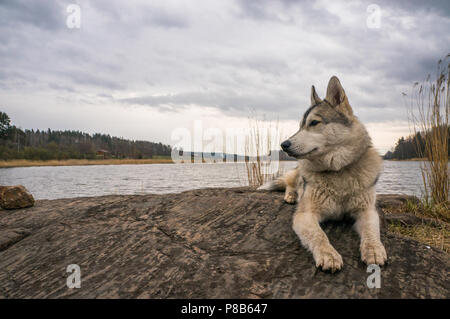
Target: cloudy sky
{"x": 141, "y": 69}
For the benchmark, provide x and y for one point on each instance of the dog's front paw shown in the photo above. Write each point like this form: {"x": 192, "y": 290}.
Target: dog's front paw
{"x": 373, "y": 253}
{"x": 290, "y": 197}
{"x": 328, "y": 259}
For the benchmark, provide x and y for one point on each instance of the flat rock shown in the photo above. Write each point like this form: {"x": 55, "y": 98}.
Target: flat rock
{"x": 15, "y": 197}
{"x": 210, "y": 243}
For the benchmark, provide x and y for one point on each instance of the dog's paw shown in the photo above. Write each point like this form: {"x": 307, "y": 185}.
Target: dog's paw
{"x": 373, "y": 253}
{"x": 328, "y": 259}
{"x": 290, "y": 197}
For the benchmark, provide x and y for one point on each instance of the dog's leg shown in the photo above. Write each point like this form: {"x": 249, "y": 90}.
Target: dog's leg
{"x": 290, "y": 196}
{"x": 291, "y": 181}
{"x": 368, "y": 227}
{"x": 306, "y": 226}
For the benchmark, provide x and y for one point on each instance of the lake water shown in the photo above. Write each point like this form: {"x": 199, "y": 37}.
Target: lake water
{"x": 74, "y": 181}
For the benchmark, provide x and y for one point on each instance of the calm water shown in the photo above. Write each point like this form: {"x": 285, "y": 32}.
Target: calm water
{"x": 74, "y": 181}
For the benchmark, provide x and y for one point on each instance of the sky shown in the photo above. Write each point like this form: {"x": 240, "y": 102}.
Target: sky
{"x": 145, "y": 69}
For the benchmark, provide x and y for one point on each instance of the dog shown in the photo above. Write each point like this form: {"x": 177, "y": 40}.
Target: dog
{"x": 337, "y": 171}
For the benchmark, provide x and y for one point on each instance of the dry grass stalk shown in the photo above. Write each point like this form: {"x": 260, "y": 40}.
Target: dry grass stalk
{"x": 263, "y": 138}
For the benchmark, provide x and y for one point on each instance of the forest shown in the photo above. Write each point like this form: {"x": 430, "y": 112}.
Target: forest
{"x": 410, "y": 147}
{"x": 16, "y": 143}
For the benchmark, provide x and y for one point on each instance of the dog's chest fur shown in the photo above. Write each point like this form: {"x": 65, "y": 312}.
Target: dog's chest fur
{"x": 348, "y": 190}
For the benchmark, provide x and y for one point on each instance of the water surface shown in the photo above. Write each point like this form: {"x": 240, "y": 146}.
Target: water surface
{"x": 52, "y": 182}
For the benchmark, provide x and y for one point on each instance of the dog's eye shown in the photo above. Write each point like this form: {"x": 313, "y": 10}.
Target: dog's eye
{"x": 314, "y": 123}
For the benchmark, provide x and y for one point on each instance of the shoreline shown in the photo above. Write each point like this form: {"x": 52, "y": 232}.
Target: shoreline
{"x": 415, "y": 159}
{"x": 84, "y": 162}
{"x": 75, "y": 162}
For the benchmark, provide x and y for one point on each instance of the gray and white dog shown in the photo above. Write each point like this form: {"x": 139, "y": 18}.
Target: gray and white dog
{"x": 337, "y": 172}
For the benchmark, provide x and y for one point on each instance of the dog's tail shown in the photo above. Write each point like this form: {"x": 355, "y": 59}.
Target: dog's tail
{"x": 291, "y": 178}
{"x": 275, "y": 185}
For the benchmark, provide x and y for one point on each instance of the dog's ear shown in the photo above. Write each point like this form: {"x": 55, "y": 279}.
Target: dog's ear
{"x": 315, "y": 99}
{"x": 337, "y": 97}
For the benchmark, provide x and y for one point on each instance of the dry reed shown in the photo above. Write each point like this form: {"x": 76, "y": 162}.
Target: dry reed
{"x": 428, "y": 116}
{"x": 263, "y": 138}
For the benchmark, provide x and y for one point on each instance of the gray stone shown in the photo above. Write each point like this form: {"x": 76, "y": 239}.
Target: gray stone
{"x": 15, "y": 197}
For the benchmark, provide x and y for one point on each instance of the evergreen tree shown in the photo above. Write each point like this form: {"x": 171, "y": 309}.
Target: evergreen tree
{"x": 5, "y": 123}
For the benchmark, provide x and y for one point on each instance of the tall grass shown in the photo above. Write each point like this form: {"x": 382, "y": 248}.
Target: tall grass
{"x": 263, "y": 138}
{"x": 428, "y": 115}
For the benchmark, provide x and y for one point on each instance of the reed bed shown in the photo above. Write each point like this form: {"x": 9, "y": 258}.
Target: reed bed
{"x": 261, "y": 164}
{"x": 428, "y": 115}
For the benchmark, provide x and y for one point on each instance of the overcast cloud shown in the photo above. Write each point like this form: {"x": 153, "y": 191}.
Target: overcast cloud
{"x": 139, "y": 69}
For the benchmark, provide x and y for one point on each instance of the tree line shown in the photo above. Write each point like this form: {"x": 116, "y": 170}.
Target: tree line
{"x": 16, "y": 143}
{"x": 412, "y": 146}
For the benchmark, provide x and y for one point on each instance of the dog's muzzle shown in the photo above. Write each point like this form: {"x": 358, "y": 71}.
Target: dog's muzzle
{"x": 285, "y": 145}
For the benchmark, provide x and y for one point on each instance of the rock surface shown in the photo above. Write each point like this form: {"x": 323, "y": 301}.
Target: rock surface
{"x": 395, "y": 200}
{"x": 15, "y": 197}
{"x": 211, "y": 243}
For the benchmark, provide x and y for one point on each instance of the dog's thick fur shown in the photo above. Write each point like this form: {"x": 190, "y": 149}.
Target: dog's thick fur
{"x": 337, "y": 172}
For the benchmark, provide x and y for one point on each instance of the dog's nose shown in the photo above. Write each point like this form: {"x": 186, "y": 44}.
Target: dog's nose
{"x": 285, "y": 145}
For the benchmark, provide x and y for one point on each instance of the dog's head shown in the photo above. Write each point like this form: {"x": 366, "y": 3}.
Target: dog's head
{"x": 328, "y": 131}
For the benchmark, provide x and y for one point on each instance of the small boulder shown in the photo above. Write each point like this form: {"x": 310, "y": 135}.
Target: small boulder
{"x": 15, "y": 197}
